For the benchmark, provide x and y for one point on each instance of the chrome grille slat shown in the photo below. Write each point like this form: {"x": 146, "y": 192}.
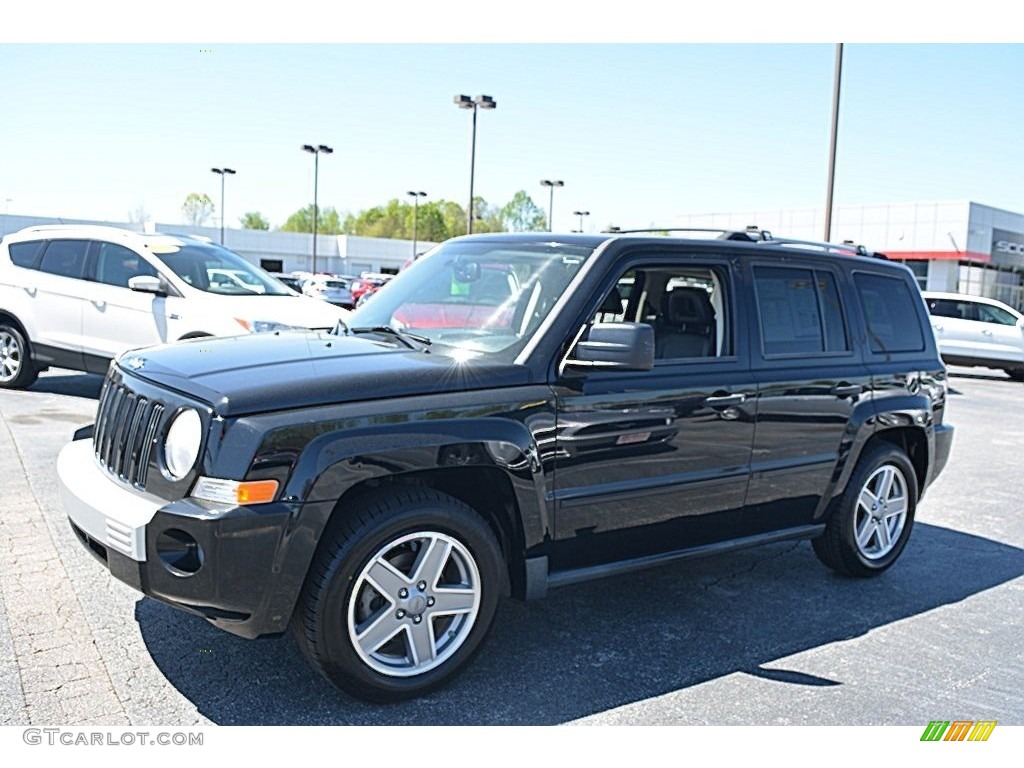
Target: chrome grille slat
{"x": 127, "y": 425}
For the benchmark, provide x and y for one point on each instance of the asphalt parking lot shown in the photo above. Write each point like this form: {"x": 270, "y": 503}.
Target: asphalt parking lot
{"x": 762, "y": 637}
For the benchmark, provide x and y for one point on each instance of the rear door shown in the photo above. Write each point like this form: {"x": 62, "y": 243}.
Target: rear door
{"x": 58, "y": 291}
{"x": 810, "y": 381}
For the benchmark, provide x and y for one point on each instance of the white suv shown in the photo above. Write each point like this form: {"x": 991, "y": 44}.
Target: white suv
{"x": 77, "y": 296}
{"x": 972, "y": 330}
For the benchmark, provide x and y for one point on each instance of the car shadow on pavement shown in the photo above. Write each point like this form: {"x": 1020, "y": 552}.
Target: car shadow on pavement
{"x": 596, "y": 646}
{"x": 85, "y": 385}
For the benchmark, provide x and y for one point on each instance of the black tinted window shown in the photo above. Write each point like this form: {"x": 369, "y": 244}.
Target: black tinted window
{"x": 64, "y": 257}
{"x": 799, "y": 311}
{"x": 115, "y": 264}
{"x": 891, "y": 314}
{"x": 963, "y": 310}
{"x": 24, "y": 254}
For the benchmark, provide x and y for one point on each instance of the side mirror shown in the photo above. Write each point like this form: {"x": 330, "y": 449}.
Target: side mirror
{"x": 615, "y": 346}
{"x": 147, "y": 284}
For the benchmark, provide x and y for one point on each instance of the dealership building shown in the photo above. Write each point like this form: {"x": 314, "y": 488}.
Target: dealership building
{"x": 961, "y": 247}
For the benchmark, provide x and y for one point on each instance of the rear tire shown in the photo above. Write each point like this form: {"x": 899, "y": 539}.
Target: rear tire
{"x": 401, "y": 595}
{"x": 17, "y": 371}
{"x": 871, "y": 522}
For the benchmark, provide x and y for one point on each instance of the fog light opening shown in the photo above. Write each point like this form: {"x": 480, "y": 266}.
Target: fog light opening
{"x": 179, "y": 552}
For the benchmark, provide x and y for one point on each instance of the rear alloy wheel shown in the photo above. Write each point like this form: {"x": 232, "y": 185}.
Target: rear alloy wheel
{"x": 401, "y": 595}
{"x": 870, "y": 526}
{"x": 16, "y": 368}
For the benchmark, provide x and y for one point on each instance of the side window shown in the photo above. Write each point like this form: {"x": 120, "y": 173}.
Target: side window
{"x": 24, "y": 254}
{"x": 799, "y": 311}
{"x": 888, "y": 305}
{"x": 64, "y": 257}
{"x": 115, "y": 264}
{"x": 961, "y": 310}
{"x": 685, "y": 304}
{"x": 996, "y": 315}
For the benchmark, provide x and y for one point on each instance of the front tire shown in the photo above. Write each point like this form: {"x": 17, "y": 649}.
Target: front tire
{"x": 871, "y": 523}
{"x": 401, "y": 596}
{"x": 17, "y": 371}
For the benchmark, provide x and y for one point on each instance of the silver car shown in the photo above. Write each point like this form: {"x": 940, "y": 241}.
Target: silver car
{"x": 329, "y": 288}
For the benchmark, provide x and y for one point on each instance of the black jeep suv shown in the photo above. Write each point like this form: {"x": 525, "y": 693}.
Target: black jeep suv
{"x": 514, "y": 413}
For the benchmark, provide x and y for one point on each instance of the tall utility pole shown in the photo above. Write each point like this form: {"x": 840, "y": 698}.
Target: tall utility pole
{"x": 316, "y": 152}
{"x": 832, "y": 143}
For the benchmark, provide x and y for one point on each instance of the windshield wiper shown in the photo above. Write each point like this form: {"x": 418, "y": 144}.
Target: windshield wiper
{"x": 403, "y": 336}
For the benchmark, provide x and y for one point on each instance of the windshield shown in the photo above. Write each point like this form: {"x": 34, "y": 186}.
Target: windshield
{"x": 214, "y": 269}
{"x": 472, "y": 298}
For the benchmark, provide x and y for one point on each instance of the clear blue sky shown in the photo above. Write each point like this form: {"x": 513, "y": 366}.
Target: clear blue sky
{"x": 639, "y": 132}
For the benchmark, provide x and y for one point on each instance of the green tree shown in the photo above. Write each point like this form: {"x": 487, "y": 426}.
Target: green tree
{"x": 254, "y": 220}
{"x": 197, "y": 208}
{"x": 328, "y": 222}
{"x": 521, "y": 214}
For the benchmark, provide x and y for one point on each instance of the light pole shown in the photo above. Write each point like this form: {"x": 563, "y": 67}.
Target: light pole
{"x": 477, "y": 102}
{"x": 316, "y": 152}
{"x": 415, "y": 215}
{"x": 581, "y": 214}
{"x": 222, "y": 172}
{"x": 551, "y": 198}
{"x": 832, "y": 142}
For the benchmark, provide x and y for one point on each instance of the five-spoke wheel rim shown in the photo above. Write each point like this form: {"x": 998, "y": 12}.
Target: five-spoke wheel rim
{"x": 414, "y": 604}
{"x": 881, "y": 512}
{"x": 10, "y": 356}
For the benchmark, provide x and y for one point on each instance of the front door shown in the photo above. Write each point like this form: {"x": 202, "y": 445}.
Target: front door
{"x": 655, "y": 461}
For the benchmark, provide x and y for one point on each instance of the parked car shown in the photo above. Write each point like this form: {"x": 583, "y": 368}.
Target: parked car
{"x": 291, "y": 281}
{"x": 77, "y": 296}
{"x": 976, "y": 331}
{"x": 622, "y": 401}
{"x": 368, "y": 283}
{"x": 329, "y": 288}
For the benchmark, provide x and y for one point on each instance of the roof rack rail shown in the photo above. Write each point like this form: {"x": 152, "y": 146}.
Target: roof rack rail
{"x": 751, "y": 234}
{"x": 846, "y": 247}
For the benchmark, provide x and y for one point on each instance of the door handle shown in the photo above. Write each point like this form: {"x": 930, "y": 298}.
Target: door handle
{"x": 847, "y": 390}
{"x": 937, "y": 327}
{"x": 99, "y": 303}
{"x": 724, "y": 401}
{"x": 986, "y": 331}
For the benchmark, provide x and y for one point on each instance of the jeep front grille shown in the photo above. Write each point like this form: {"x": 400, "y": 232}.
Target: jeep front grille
{"x": 126, "y": 431}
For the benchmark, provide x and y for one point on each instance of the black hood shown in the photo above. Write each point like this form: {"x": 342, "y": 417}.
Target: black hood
{"x": 273, "y": 371}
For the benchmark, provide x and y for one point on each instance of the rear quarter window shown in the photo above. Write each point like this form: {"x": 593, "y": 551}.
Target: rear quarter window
{"x": 25, "y": 254}
{"x": 890, "y": 310}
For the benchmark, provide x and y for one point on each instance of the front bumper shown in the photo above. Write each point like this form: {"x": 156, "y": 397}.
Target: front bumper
{"x": 234, "y": 580}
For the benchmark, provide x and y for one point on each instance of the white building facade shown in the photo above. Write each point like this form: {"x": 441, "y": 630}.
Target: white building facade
{"x": 962, "y": 247}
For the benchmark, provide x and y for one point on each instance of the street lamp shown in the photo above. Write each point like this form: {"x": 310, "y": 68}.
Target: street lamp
{"x": 477, "y": 102}
{"x": 415, "y": 215}
{"x": 222, "y": 172}
{"x": 581, "y": 214}
{"x": 551, "y": 197}
{"x": 316, "y": 152}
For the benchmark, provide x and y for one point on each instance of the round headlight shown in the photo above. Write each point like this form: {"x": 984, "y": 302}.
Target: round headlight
{"x": 181, "y": 446}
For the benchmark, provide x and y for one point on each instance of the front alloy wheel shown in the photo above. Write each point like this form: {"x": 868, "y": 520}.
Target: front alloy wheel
{"x": 414, "y": 604}
{"x": 401, "y": 593}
